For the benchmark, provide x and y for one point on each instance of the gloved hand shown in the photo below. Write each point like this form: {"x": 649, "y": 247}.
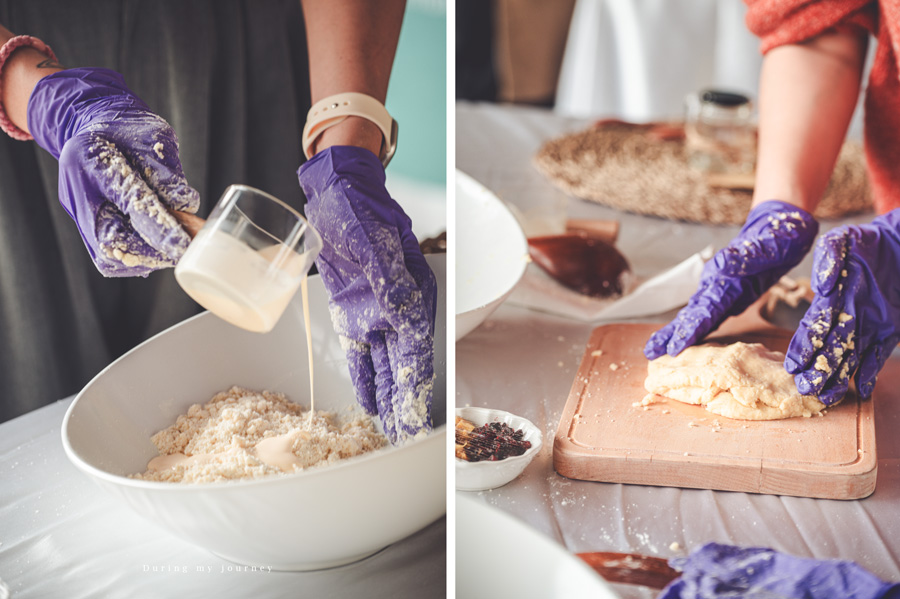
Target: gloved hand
{"x": 714, "y": 571}
{"x": 853, "y": 323}
{"x": 774, "y": 239}
{"x": 382, "y": 292}
{"x": 118, "y": 169}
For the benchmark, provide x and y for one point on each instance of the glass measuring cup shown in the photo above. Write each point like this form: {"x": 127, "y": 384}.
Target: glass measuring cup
{"x": 247, "y": 261}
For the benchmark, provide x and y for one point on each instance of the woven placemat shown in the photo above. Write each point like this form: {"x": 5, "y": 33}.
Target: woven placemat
{"x": 643, "y": 169}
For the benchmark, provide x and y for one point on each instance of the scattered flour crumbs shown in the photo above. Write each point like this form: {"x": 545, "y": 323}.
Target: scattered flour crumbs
{"x": 249, "y": 434}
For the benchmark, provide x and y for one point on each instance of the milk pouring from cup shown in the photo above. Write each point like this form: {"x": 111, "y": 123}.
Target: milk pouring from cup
{"x": 249, "y": 259}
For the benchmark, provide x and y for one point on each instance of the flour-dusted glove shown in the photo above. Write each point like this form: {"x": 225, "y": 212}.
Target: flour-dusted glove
{"x": 715, "y": 571}
{"x": 853, "y": 323}
{"x": 382, "y": 292}
{"x": 774, "y": 240}
{"x": 118, "y": 169}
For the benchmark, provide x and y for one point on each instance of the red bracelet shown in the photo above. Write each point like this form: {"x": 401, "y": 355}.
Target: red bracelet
{"x": 8, "y": 48}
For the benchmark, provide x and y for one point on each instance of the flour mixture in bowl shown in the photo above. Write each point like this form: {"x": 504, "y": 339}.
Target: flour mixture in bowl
{"x": 249, "y": 434}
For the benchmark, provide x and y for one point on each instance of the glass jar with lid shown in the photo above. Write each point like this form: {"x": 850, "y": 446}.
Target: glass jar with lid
{"x": 720, "y": 135}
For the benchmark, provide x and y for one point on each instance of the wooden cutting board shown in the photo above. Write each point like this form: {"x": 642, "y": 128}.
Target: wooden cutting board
{"x": 605, "y": 434}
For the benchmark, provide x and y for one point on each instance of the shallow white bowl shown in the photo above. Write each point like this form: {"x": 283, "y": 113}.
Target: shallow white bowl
{"x": 309, "y": 520}
{"x": 484, "y": 475}
{"x": 498, "y": 555}
{"x": 491, "y": 253}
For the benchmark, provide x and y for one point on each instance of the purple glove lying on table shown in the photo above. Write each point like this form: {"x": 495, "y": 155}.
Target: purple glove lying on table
{"x": 715, "y": 571}
{"x": 382, "y": 291}
{"x": 774, "y": 240}
{"x": 853, "y": 323}
{"x": 118, "y": 169}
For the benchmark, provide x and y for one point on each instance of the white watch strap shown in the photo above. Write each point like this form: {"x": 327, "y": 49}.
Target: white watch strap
{"x": 332, "y": 110}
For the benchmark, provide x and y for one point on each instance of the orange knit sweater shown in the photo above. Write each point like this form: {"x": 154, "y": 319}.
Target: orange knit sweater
{"x": 779, "y": 22}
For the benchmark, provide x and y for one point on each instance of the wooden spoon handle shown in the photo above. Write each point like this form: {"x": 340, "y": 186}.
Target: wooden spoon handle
{"x": 191, "y": 222}
{"x": 607, "y": 230}
{"x": 631, "y": 568}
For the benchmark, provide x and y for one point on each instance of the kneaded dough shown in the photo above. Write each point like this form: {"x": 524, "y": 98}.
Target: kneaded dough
{"x": 745, "y": 381}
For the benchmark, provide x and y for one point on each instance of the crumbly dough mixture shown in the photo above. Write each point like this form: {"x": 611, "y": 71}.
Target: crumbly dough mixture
{"x": 220, "y": 440}
{"x": 745, "y": 381}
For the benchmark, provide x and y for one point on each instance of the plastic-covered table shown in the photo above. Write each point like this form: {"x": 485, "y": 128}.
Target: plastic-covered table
{"x": 61, "y": 535}
{"x": 524, "y": 362}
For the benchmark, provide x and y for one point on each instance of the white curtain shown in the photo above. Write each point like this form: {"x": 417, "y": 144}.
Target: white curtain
{"x": 637, "y": 59}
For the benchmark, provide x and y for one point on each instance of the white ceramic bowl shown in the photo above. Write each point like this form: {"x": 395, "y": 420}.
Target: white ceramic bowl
{"x": 498, "y": 555}
{"x": 309, "y": 520}
{"x": 491, "y": 253}
{"x": 480, "y": 476}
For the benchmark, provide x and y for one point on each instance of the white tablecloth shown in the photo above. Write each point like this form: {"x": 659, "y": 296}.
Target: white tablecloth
{"x": 62, "y": 536}
{"x": 524, "y": 362}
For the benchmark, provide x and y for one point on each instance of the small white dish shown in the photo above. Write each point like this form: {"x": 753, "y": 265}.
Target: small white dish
{"x": 491, "y": 253}
{"x": 484, "y": 475}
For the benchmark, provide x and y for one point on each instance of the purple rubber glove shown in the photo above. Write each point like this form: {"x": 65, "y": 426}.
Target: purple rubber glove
{"x": 715, "y": 571}
{"x": 774, "y": 240}
{"x": 118, "y": 169}
{"x": 382, "y": 291}
{"x": 853, "y": 323}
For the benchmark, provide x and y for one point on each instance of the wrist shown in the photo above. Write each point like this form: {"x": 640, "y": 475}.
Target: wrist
{"x": 354, "y": 118}
{"x": 24, "y": 61}
{"x": 772, "y": 205}
{"x": 793, "y": 225}
{"x": 354, "y": 131}
{"x": 337, "y": 167}
{"x": 889, "y": 220}
{"x": 65, "y": 102}
{"x": 789, "y": 194}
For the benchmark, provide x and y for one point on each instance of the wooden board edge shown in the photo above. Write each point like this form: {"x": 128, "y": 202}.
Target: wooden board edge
{"x": 846, "y": 485}
{"x": 617, "y": 469}
{"x": 852, "y": 483}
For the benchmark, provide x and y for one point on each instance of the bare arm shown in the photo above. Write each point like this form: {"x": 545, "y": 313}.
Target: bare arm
{"x": 24, "y": 68}
{"x": 807, "y": 96}
{"x": 351, "y": 48}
